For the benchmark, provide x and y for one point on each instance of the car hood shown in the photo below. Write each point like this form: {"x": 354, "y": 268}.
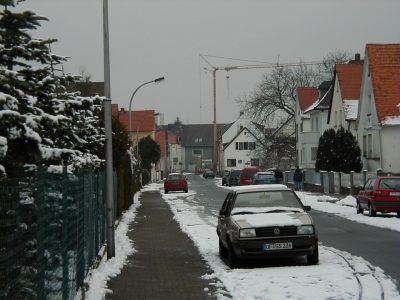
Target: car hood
{"x": 272, "y": 219}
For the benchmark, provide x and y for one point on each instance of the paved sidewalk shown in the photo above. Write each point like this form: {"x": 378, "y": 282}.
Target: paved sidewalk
{"x": 167, "y": 265}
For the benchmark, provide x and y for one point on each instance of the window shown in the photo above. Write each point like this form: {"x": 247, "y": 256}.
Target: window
{"x": 231, "y": 162}
{"x": 316, "y": 124}
{"x": 335, "y": 118}
{"x": 365, "y": 146}
{"x": 255, "y": 162}
{"x": 197, "y": 152}
{"x": 198, "y": 140}
{"x": 314, "y": 153}
{"x": 312, "y": 124}
{"x": 340, "y": 117}
{"x": 245, "y": 145}
{"x": 302, "y": 154}
{"x": 252, "y": 145}
{"x": 369, "y": 154}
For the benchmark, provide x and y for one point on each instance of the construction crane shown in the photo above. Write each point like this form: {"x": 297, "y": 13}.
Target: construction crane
{"x": 244, "y": 67}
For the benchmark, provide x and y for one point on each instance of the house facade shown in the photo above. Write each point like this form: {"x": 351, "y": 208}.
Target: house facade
{"x": 343, "y": 108}
{"x": 378, "y": 123}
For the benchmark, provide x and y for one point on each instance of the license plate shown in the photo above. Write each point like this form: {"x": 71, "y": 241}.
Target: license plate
{"x": 394, "y": 193}
{"x": 277, "y": 246}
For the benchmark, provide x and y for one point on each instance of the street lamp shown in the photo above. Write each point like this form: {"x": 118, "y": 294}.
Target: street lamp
{"x": 137, "y": 132}
{"x": 161, "y": 79}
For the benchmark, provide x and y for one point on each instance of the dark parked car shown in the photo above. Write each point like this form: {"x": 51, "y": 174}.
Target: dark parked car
{"x": 265, "y": 221}
{"x": 209, "y": 174}
{"x": 225, "y": 177}
{"x": 263, "y": 178}
{"x": 234, "y": 177}
{"x": 175, "y": 182}
{"x": 381, "y": 194}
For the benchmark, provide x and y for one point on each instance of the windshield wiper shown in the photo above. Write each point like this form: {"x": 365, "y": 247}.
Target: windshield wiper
{"x": 280, "y": 211}
{"x": 243, "y": 213}
{"x": 390, "y": 187}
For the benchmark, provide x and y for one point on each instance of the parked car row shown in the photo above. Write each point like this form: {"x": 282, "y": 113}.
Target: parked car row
{"x": 247, "y": 176}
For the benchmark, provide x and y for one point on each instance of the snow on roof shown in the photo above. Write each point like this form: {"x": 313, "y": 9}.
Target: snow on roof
{"x": 391, "y": 120}
{"x": 350, "y": 109}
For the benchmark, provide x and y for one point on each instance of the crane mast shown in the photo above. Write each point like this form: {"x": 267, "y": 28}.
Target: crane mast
{"x": 243, "y": 67}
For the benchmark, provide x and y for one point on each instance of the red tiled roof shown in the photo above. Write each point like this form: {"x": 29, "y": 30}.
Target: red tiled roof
{"x": 384, "y": 67}
{"x": 349, "y": 76}
{"x": 114, "y": 109}
{"x": 137, "y": 117}
{"x": 307, "y": 96}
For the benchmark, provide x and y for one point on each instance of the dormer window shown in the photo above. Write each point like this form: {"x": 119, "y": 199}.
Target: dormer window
{"x": 198, "y": 140}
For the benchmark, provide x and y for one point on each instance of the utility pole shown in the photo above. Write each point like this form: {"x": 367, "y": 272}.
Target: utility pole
{"x": 108, "y": 136}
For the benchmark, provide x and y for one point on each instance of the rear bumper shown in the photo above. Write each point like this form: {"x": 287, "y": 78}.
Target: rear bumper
{"x": 386, "y": 205}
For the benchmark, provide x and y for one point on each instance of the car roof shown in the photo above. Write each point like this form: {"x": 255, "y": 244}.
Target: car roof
{"x": 175, "y": 174}
{"x": 260, "y": 188}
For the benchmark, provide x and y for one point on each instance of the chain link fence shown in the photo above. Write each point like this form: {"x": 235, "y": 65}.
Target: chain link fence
{"x": 52, "y": 228}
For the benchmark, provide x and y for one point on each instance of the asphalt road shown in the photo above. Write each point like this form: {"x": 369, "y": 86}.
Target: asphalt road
{"x": 379, "y": 246}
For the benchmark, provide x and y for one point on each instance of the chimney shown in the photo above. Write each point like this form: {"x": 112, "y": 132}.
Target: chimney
{"x": 357, "y": 57}
{"x": 122, "y": 110}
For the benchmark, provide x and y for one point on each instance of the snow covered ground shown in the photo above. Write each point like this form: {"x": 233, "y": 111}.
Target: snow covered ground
{"x": 338, "y": 275}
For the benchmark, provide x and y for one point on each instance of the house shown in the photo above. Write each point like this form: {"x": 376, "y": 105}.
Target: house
{"x": 343, "y": 108}
{"x": 309, "y": 121}
{"x": 282, "y": 146}
{"x": 239, "y": 142}
{"x": 378, "y": 122}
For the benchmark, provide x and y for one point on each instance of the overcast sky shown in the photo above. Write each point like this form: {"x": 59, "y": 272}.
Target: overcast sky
{"x": 156, "y": 38}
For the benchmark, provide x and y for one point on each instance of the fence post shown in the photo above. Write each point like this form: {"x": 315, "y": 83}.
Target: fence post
{"x": 64, "y": 248}
{"x": 41, "y": 231}
{"x": 364, "y": 176}
{"x": 321, "y": 175}
{"x": 331, "y": 182}
{"x": 351, "y": 182}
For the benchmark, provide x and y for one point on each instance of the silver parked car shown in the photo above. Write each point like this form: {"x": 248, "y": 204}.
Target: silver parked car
{"x": 265, "y": 221}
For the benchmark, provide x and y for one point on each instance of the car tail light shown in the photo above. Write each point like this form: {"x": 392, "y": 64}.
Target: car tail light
{"x": 257, "y": 180}
{"x": 377, "y": 193}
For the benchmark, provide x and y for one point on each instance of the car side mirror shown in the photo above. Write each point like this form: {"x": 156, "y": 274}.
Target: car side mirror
{"x": 360, "y": 187}
{"x": 308, "y": 208}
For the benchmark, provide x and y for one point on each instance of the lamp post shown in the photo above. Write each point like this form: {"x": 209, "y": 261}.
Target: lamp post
{"x": 137, "y": 132}
{"x": 161, "y": 79}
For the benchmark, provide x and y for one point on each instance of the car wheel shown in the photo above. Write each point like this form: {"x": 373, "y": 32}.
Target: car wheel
{"x": 223, "y": 252}
{"x": 313, "y": 258}
{"x": 232, "y": 258}
{"x": 398, "y": 214}
{"x": 166, "y": 191}
{"x": 186, "y": 190}
{"x": 359, "y": 209}
{"x": 371, "y": 211}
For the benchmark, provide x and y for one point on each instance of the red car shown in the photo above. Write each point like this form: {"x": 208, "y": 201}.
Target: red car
{"x": 381, "y": 194}
{"x": 175, "y": 182}
{"x": 246, "y": 175}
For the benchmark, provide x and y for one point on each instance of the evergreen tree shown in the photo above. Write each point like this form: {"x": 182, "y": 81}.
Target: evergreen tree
{"x": 338, "y": 151}
{"x": 40, "y": 124}
{"x": 325, "y": 160}
{"x": 149, "y": 151}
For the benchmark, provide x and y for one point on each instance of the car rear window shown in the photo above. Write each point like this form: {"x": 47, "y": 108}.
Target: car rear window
{"x": 266, "y": 176}
{"x": 390, "y": 183}
{"x": 235, "y": 173}
{"x": 175, "y": 177}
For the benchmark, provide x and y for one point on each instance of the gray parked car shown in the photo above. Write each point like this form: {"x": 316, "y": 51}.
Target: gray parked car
{"x": 265, "y": 221}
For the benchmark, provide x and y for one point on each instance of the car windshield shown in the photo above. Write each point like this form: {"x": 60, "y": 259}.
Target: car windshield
{"x": 266, "y": 201}
{"x": 175, "y": 177}
{"x": 235, "y": 173}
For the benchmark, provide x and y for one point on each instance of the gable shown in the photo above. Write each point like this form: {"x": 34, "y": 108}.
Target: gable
{"x": 349, "y": 77}
{"x": 384, "y": 69}
{"x": 306, "y": 96}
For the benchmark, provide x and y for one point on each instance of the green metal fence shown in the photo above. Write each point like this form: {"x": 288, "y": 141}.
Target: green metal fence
{"x": 51, "y": 229}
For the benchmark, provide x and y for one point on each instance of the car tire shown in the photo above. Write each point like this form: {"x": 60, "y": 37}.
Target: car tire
{"x": 371, "y": 211}
{"x": 313, "y": 259}
{"x": 232, "y": 258}
{"x": 359, "y": 209}
{"x": 398, "y": 214}
{"x": 166, "y": 191}
{"x": 223, "y": 252}
{"x": 186, "y": 190}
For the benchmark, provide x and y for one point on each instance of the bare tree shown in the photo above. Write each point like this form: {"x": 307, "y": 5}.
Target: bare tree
{"x": 327, "y": 68}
